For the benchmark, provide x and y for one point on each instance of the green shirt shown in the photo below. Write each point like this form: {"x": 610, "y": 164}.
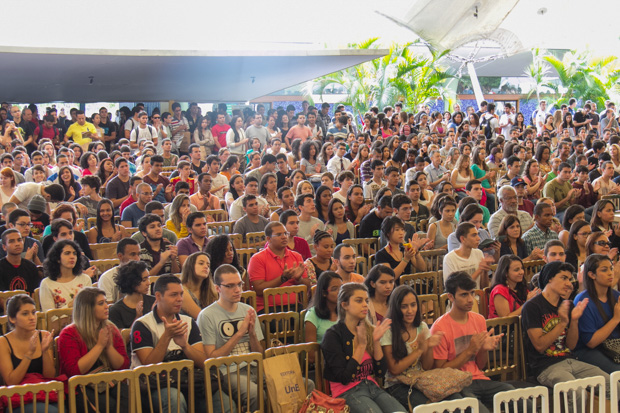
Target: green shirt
{"x": 486, "y": 216}
{"x": 557, "y": 191}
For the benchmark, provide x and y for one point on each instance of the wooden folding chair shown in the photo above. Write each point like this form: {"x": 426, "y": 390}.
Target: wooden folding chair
{"x": 225, "y": 371}
{"x": 105, "y": 251}
{"x": 280, "y": 328}
{"x": 6, "y": 295}
{"x": 33, "y": 390}
{"x": 532, "y": 267}
{"x": 37, "y": 299}
{"x": 429, "y": 308}
{"x": 249, "y": 298}
{"x": 244, "y": 255}
{"x": 57, "y": 319}
{"x": 215, "y": 215}
{"x": 283, "y": 299}
{"x": 361, "y": 266}
{"x": 434, "y": 259}
{"x": 105, "y": 382}
{"x": 237, "y": 240}
{"x": 505, "y": 361}
{"x": 104, "y": 265}
{"x": 422, "y": 282}
{"x": 132, "y": 230}
{"x": 220, "y": 228}
{"x": 363, "y": 247}
{"x": 162, "y": 378}
{"x": 255, "y": 240}
{"x": 90, "y": 222}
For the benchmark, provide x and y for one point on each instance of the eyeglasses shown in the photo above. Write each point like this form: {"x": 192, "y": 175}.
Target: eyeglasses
{"x": 24, "y": 224}
{"x": 283, "y": 234}
{"x": 156, "y": 117}
{"x": 603, "y": 243}
{"x": 584, "y": 234}
{"x": 232, "y": 286}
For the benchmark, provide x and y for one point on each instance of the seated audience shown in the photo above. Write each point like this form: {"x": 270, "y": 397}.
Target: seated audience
{"x": 508, "y": 288}
{"x": 132, "y": 281}
{"x": 198, "y": 288}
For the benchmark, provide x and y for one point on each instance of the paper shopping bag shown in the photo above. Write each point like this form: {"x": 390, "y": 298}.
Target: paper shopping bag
{"x": 285, "y": 384}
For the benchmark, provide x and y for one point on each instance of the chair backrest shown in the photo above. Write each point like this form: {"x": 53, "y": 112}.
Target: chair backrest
{"x": 244, "y": 255}
{"x": 57, "y": 319}
{"x": 503, "y": 401}
{"x": 216, "y": 214}
{"x": 433, "y": 259}
{"x": 422, "y": 282}
{"x": 280, "y": 328}
{"x": 34, "y": 392}
{"x": 255, "y": 240}
{"x": 449, "y": 406}
{"x": 483, "y": 305}
{"x": 237, "y": 240}
{"x": 581, "y": 387}
{"x": 429, "y": 308}
{"x": 37, "y": 298}
{"x": 302, "y": 326}
{"x": 91, "y": 222}
{"x": 282, "y": 299}
{"x": 221, "y": 227}
{"x": 361, "y": 266}
{"x": 5, "y": 295}
{"x": 163, "y": 377}
{"x": 614, "y": 200}
{"x": 105, "y": 382}
{"x": 614, "y": 380}
{"x": 422, "y": 225}
{"x": 362, "y": 245}
{"x": 104, "y": 265}
{"x": 304, "y": 351}
{"x": 531, "y": 267}
{"x": 105, "y": 251}
{"x": 249, "y": 298}
{"x": 244, "y": 364}
{"x": 126, "y": 334}
{"x": 444, "y": 304}
{"x": 132, "y": 230}
{"x": 505, "y": 361}
{"x": 4, "y": 324}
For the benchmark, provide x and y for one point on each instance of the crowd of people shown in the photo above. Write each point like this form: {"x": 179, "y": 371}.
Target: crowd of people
{"x": 486, "y": 189}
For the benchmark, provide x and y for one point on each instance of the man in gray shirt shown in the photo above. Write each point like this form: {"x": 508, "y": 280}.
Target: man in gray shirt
{"x": 229, "y": 327}
{"x": 251, "y": 221}
{"x": 257, "y": 130}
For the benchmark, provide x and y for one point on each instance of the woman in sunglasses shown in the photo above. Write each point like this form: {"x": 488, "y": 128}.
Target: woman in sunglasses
{"x": 598, "y": 243}
{"x": 603, "y": 219}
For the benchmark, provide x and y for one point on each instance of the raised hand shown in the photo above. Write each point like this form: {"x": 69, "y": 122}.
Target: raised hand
{"x": 380, "y": 328}
{"x": 140, "y": 309}
{"x": 104, "y": 337}
{"x": 490, "y": 341}
{"x": 32, "y": 344}
{"x": 47, "y": 340}
{"x": 434, "y": 340}
{"x": 180, "y": 339}
{"x": 533, "y": 293}
{"x": 578, "y": 310}
{"x": 360, "y": 334}
{"x": 563, "y": 311}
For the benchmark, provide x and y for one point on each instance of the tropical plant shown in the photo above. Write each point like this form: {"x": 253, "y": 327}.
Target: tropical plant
{"x": 537, "y": 71}
{"x": 401, "y": 75}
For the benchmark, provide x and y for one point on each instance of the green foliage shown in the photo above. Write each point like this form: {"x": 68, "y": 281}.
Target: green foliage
{"x": 401, "y": 75}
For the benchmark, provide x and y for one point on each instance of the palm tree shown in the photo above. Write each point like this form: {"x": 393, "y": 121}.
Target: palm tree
{"x": 401, "y": 75}
{"x": 538, "y": 71}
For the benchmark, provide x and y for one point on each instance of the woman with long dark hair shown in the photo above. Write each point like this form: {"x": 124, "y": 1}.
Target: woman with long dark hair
{"x": 380, "y": 283}
{"x": 67, "y": 181}
{"x": 198, "y": 287}
{"x": 322, "y": 312}
{"x": 400, "y": 254}
{"x": 576, "y": 250}
{"x": 353, "y": 342}
{"x": 236, "y": 188}
{"x": 572, "y": 214}
{"x": 341, "y": 227}
{"x": 106, "y": 172}
{"x": 543, "y": 156}
{"x": 236, "y": 141}
{"x": 322, "y": 260}
{"x": 510, "y": 235}
{"x": 601, "y": 316}
{"x": 222, "y": 251}
{"x": 321, "y": 201}
{"x": 508, "y": 288}
{"x": 356, "y": 208}
{"x": 408, "y": 345}
{"x": 105, "y": 229}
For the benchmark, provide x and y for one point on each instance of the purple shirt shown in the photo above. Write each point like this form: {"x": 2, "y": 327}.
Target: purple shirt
{"x": 187, "y": 246}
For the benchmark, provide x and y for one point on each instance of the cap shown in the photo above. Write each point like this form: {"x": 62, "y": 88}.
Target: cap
{"x": 37, "y": 204}
{"x": 517, "y": 181}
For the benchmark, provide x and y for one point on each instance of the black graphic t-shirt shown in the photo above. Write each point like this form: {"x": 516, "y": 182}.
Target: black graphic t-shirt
{"x": 540, "y": 313}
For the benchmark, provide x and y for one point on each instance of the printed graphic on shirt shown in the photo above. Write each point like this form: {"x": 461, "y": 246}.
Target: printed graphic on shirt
{"x": 558, "y": 348}
{"x": 229, "y": 328}
{"x": 365, "y": 370}
{"x": 461, "y": 344}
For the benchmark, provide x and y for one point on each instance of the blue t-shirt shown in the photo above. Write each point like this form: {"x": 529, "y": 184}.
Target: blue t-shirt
{"x": 591, "y": 320}
{"x": 132, "y": 213}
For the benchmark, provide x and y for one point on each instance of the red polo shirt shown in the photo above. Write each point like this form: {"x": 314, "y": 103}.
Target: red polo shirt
{"x": 267, "y": 266}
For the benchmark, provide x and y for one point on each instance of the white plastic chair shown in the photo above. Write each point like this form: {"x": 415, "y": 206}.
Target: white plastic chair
{"x": 450, "y": 406}
{"x": 503, "y": 400}
{"x": 579, "y": 387}
{"x": 614, "y": 380}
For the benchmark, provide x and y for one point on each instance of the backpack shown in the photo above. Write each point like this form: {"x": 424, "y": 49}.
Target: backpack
{"x": 485, "y": 126}
{"x": 148, "y": 127}
{"x": 56, "y": 133}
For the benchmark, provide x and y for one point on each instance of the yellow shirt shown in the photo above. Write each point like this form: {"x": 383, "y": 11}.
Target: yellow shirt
{"x": 183, "y": 233}
{"x": 75, "y": 132}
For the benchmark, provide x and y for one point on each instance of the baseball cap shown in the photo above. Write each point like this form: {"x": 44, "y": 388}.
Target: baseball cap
{"x": 517, "y": 181}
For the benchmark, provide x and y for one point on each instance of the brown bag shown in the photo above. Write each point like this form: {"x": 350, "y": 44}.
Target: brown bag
{"x": 437, "y": 384}
{"x": 285, "y": 384}
{"x": 318, "y": 402}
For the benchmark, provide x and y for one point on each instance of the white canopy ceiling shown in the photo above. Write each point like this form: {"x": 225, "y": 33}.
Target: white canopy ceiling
{"x": 210, "y": 51}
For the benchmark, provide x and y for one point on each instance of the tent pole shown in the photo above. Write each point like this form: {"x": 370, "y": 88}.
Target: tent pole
{"x": 474, "y": 82}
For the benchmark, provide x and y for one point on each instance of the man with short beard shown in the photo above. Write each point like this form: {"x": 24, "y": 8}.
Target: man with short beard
{"x": 510, "y": 204}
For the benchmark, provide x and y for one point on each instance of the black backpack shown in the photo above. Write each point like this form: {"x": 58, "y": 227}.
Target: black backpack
{"x": 485, "y": 126}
